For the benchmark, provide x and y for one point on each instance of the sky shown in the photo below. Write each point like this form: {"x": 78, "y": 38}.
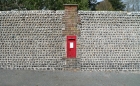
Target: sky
{"x": 99, "y": 0}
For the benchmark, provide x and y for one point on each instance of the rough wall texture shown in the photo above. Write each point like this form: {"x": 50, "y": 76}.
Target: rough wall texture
{"x": 34, "y": 40}
{"x": 31, "y": 40}
{"x": 110, "y": 40}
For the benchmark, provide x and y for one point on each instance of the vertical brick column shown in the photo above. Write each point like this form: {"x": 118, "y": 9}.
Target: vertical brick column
{"x": 71, "y": 19}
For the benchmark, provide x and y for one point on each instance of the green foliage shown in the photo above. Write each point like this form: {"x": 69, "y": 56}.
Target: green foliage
{"x": 58, "y": 5}
{"x": 104, "y": 6}
{"x": 117, "y": 5}
{"x": 92, "y": 4}
{"x": 10, "y": 4}
{"x": 54, "y": 4}
{"x": 41, "y": 4}
{"x": 32, "y": 4}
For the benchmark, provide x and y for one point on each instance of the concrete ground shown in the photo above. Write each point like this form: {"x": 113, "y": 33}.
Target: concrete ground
{"x": 67, "y": 78}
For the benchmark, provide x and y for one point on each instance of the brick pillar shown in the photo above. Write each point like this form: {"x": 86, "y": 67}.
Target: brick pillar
{"x": 71, "y": 19}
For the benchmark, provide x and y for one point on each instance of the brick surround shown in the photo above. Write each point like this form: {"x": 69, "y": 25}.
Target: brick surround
{"x": 71, "y": 19}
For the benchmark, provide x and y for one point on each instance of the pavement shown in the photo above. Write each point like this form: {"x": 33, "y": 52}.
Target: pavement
{"x": 67, "y": 78}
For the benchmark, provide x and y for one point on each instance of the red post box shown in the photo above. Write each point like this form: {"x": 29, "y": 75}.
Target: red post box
{"x": 71, "y": 46}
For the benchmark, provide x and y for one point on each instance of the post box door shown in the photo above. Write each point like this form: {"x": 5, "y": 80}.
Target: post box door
{"x": 71, "y": 46}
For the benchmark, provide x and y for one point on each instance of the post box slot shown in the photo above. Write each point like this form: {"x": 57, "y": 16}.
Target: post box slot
{"x": 71, "y": 39}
